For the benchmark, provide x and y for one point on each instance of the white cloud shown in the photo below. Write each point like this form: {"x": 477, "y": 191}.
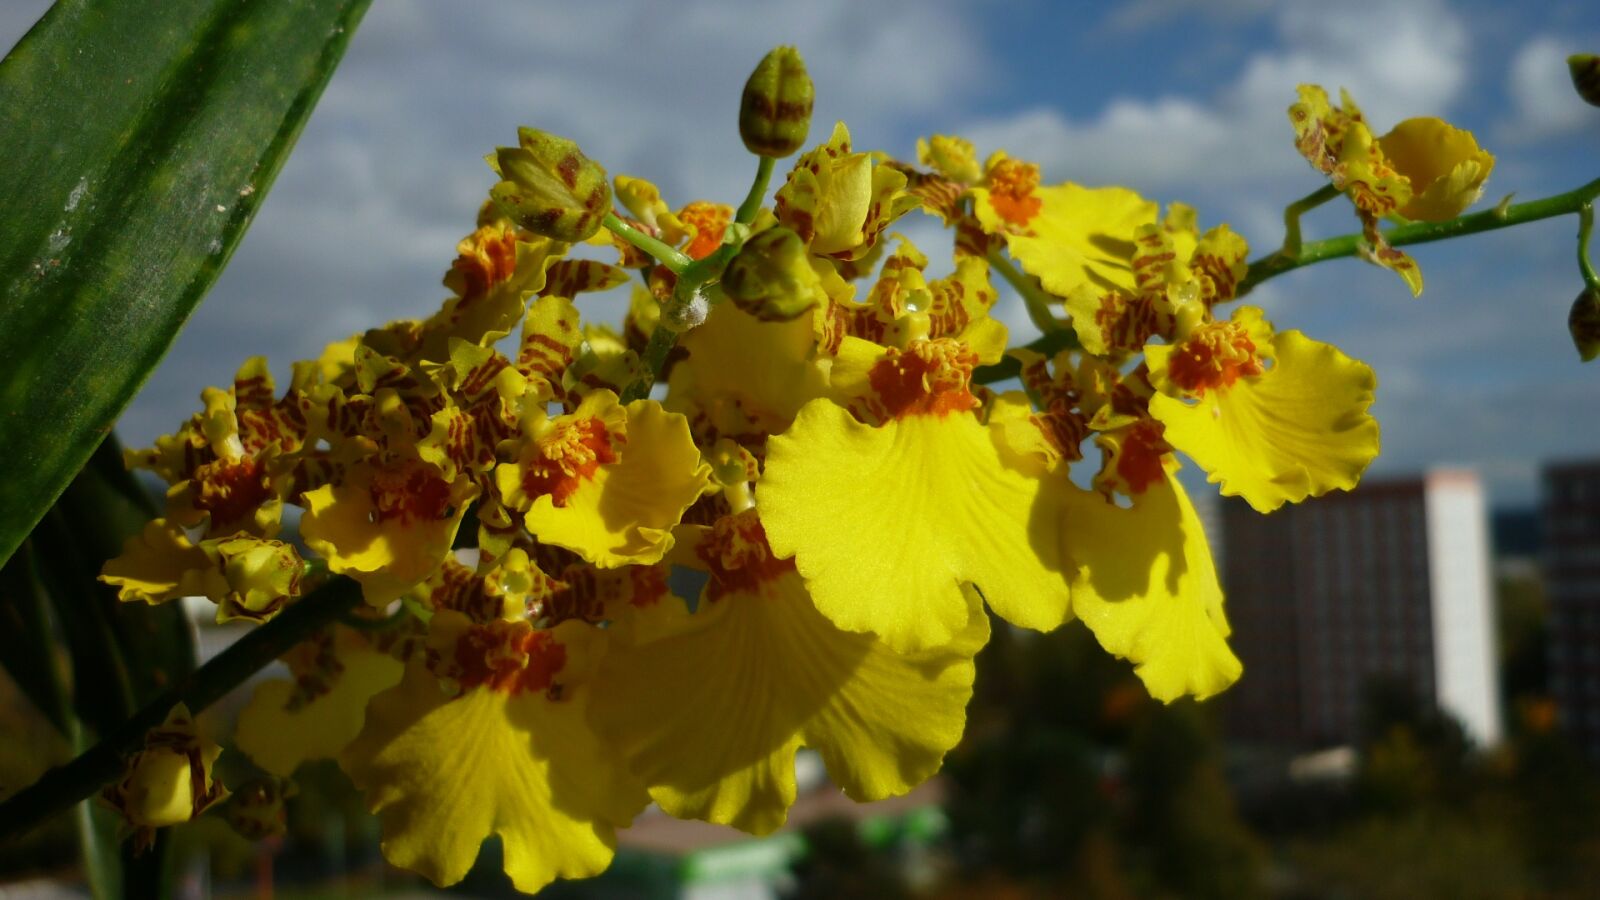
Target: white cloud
{"x": 1397, "y": 59}
{"x": 1543, "y": 102}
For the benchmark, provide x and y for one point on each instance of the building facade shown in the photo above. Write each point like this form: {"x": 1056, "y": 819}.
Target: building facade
{"x": 1571, "y": 509}
{"x": 1388, "y": 583}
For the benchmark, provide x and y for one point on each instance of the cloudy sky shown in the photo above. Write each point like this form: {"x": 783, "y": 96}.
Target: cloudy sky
{"x": 1182, "y": 100}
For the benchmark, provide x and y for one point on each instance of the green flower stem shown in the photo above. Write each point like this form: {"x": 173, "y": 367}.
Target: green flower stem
{"x": 1033, "y": 295}
{"x": 1009, "y": 367}
{"x": 102, "y": 764}
{"x": 1293, "y": 212}
{"x": 667, "y": 256}
{"x": 758, "y": 192}
{"x": 1276, "y": 264}
{"x": 1586, "y": 228}
{"x": 692, "y": 275}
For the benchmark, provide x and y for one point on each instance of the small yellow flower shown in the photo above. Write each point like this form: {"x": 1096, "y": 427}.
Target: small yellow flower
{"x": 1444, "y": 164}
{"x": 1275, "y": 417}
{"x": 838, "y": 201}
{"x": 606, "y": 481}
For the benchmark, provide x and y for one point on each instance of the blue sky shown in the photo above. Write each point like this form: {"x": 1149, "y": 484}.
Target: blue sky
{"x": 1179, "y": 99}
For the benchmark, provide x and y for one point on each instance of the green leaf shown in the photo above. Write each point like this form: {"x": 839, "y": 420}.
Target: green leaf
{"x": 139, "y": 140}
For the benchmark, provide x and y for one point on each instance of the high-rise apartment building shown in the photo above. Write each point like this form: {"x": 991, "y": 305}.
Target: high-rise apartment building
{"x": 1388, "y": 582}
{"x": 1572, "y": 579}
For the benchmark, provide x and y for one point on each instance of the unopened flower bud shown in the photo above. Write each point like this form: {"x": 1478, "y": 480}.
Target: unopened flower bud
{"x": 1585, "y": 69}
{"x": 772, "y": 278}
{"x": 262, "y": 577}
{"x": 775, "y": 111}
{"x": 550, "y": 187}
{"x": 1584, "y": 323}
{"x": 169, "y": 781}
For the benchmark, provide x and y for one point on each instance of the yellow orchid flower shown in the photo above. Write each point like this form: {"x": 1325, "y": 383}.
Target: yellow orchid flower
{"x": 910, "y": 461}
{"x": 1338, "y": 143}
{"x": 606, "y": 481}
{"x": 839, "y": 201}
{"x": 504, "y": 749}
{"x": 1275, "y": 417}
{"x": 757, "y": 658}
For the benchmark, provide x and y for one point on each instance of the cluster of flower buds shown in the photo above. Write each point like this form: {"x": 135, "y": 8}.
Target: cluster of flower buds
{"x": 829, "y": 447}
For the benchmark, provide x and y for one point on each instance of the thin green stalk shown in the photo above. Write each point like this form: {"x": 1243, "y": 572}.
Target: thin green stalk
{"x": 665, "y": 254}
{"x": 100, "y": 765}
{"x": 1008, "y": 367}
{"x": 1293, "y": 212}
{"x": 1585, "y": 229}
{"x": 758, "y": 192}
{"x": 1277, "y": 263}
{"x": 662, "y": 340}
{"x": 1033, "y": 296}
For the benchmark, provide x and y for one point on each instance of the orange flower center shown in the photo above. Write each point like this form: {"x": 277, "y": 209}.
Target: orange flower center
{"x": 1011, "y": 186}
{"x": 230, "y": 491}
{"x": 1139, "y": 459}
{"x": 739, "y": 558}
{"x": 567, "y": 457}
{"x": 510, "y": 657}
{"x": 709, "y": 221}
{"x": 931, "y": 377}
{"x": 1214, "y": 356}
{"x": 409, "y": 493}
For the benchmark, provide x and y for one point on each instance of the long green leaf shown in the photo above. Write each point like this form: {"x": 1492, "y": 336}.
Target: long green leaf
{"x": 138, "y": 140}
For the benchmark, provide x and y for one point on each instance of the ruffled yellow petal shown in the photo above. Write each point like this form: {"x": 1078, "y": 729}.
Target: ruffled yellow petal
{"x": 1079, "y": 236}
{"x": 886, "y": 525}
{"x": 160, "y": 563}
{"x": 1299, "y": 429}
{"x": 389, "y": 548}
{"x": 760, "y": 661}
{"x": 1148, "y": 589}
{"x": 1445, "y": 165}
{"x": 289, "y": 722}
{"x": 442, "y": 773}
{"x": 741, "y": 370}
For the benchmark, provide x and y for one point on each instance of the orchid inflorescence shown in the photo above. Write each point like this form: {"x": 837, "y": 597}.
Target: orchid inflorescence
{"x": 797, "y": 409}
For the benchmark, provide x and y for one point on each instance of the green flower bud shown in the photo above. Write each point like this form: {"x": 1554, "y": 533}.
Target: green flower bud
{"x": 1585, "y": 69}
{"x": 1584, "y": 323}
{"x": 775, "y": 111}
{"x": 550, "y": 187}
{"x": 772, "y": 278}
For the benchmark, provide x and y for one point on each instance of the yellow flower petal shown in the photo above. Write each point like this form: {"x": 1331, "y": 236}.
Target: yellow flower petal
{"x": 1080, "y": 235}
{"x": 742, "y": 367}
{"x": 289, "y": 722}
{"x": 442, "y": 773}
{"x": 390, "y": 549}
{"x": 1148, "y": 588}
{"x": 758, "y": 659}
{"x": 160, "y": 563}
{"x": 1446, "y": 167}
{"x": 1299, "y": 429}
{"x": 886, "y": 524}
